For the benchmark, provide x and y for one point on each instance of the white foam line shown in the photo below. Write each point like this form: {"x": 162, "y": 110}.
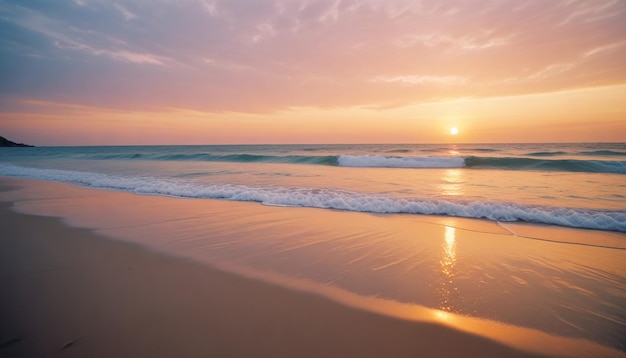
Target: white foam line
{"x": 400, "y": 162}
{"x": 332, "y": 199}
{"x": 557, "y": 241}
{"x": 507, "y": 228}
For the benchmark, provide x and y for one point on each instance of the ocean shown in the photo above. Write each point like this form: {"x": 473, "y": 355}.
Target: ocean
{"x": 571, "y": 185}
{"x": 530, "y": 235}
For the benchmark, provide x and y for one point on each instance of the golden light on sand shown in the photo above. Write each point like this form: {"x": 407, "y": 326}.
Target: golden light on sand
{"x": 454, "y": 131}
{"x": 448, "y": 261}
{"x": 449, "y": 249}
{"x": 443, "y": 315}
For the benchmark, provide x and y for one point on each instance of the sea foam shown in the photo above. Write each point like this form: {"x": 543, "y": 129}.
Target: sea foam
{"x": 333, "y": 199}
{"x": 400, "y": 162}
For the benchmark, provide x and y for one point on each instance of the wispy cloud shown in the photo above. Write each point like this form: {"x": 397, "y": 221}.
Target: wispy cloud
{"x": 65, "y": 36}
{"x": 238, "y": 55}
{"x": 590, "y": 11}
{"x": 454, "y": 45}
{"x": 551, "y": 71}
{"x": 210, "y": 7}
{"x": 605, "y": 48}
{"x": 423, "y": 80}
{"x": 125, "y": 12}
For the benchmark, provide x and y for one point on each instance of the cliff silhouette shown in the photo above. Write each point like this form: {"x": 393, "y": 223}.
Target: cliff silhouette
{"x": 7, "y": 143}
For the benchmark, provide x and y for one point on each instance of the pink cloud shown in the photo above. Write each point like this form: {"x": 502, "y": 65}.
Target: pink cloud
{"x": 247, "y": 56}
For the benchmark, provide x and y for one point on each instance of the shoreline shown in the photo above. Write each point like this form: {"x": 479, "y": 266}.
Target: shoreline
{"x": 171, "y": 306}
{"x": 73, "y": 293}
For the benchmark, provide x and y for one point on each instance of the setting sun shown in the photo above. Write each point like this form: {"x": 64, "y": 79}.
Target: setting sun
{"x": 454, "y": 131}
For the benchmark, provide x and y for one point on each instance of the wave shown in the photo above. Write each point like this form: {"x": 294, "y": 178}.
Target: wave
{"x": 545, "y": 154}
{"x": 399, "y": 151}
{"x": 564, "y": 165}
{"x": 503, "y": 163}
{"x": 333, "y": 199}
{"x": 604, "y": 153}
{"x": 485, "y": 150}
{"x": 400, "y": 162}
{"x": 332, "y": 160}
{"x": 610, "y": 153}
{"x": 237, "y": 158}
{"x": 390, "y": 161}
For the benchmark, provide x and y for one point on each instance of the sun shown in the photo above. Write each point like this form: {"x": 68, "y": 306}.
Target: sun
{"x": 454, "y": 131}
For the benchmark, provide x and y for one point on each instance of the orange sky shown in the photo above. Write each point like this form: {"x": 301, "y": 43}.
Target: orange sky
{"x": 212, "y": 72}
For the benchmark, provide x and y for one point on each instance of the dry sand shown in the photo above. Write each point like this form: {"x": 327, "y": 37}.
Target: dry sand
{"x": 68, "y": 292}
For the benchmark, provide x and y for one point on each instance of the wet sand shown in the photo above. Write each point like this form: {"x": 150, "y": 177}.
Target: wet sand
{"x": 71, "y": 292}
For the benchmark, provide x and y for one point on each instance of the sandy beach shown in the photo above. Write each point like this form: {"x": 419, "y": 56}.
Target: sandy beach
{"x": 69, "y": 291}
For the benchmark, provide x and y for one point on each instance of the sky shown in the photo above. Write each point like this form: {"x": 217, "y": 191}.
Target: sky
{"x": 95, "y": 72}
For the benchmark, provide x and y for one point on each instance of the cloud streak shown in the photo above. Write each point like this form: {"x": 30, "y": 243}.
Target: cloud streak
{"x": 263, "y": 56}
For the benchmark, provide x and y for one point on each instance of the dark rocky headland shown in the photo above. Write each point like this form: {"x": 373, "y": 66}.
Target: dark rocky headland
{"x": 7, "y": 143}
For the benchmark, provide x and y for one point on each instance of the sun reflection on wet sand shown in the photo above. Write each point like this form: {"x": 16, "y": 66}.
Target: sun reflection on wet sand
{"x": 448, "y": 261}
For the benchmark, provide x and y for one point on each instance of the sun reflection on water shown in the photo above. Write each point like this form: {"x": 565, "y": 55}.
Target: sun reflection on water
{"x": 452, "y": 182}
{"x": 448, "y": 262}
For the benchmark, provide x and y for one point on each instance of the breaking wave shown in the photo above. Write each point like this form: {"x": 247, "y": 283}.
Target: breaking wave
{"x": 392, "y": 161}
{"x": 333, "y": 199}
{"x": 400, "y": 162}
{"x": 503, "y": 163}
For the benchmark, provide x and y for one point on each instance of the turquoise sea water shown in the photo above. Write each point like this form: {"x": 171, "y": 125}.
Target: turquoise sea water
{"x": 571, "y": 185}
